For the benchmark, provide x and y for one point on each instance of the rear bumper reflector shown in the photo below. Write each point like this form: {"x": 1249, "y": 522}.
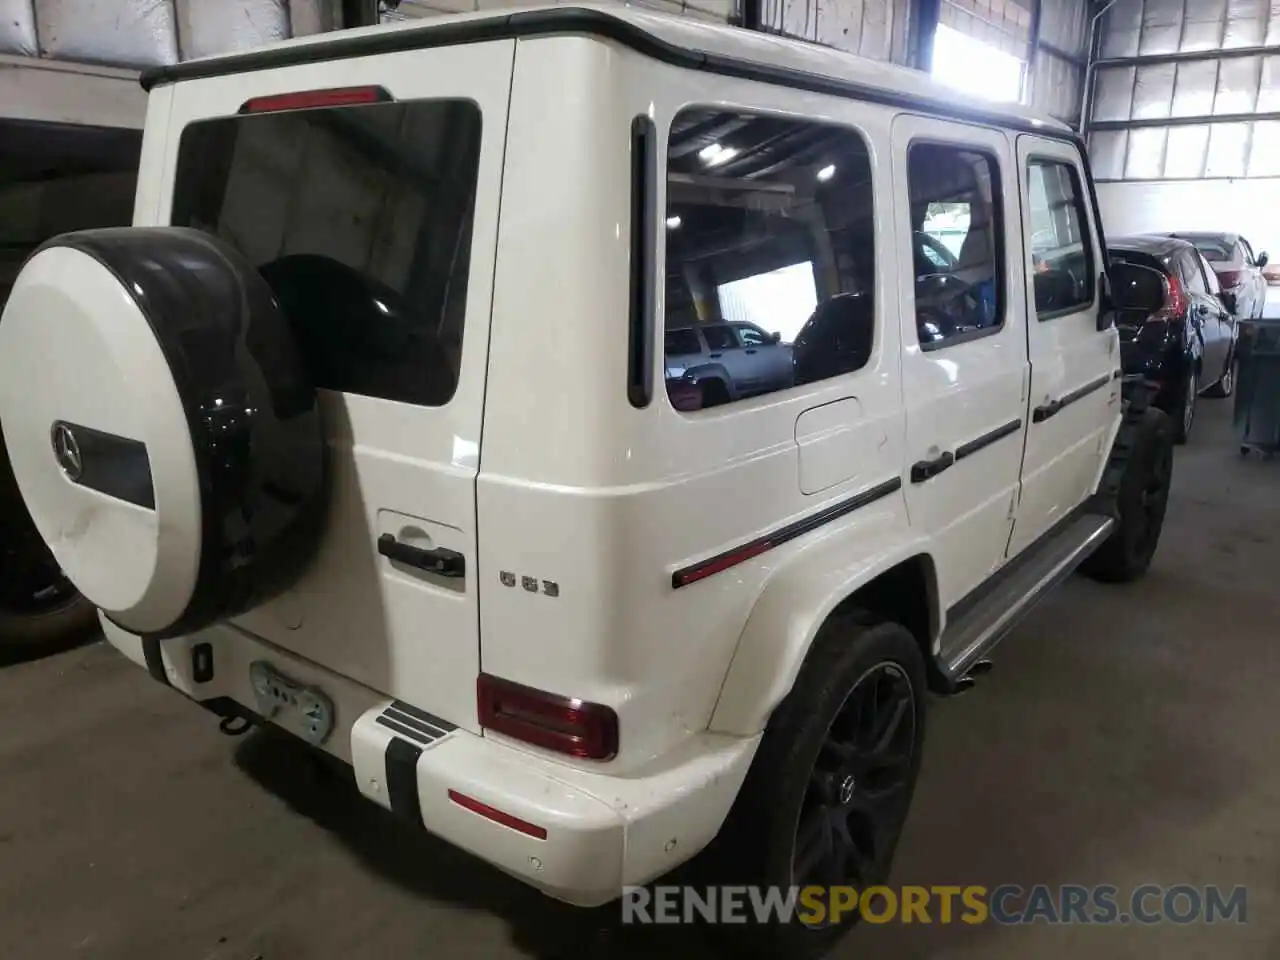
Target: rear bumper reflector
{"x": 498, "y": 816}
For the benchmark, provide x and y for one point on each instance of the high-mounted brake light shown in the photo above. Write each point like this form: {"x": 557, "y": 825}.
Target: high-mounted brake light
{"x": 312, "y": 99}
{"x": 547, "y": 720}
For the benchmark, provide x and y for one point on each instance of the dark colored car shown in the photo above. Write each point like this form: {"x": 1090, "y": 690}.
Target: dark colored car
{"x": 1184, "y": 339}
{"x": 1239, "y": 271}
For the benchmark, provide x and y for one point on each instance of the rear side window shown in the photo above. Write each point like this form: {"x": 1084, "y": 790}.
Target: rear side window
{"x": 769, "y": 227}
{"x": 1190, "y": 268}
{"x": 1210, "y": 278}
{"x": 1061, "y": 249}
{"x": 1215, "y": 251}
{"x": 360, "y": 218}
{"x": 955, "y": 210}
{"x": 682, "y": 342}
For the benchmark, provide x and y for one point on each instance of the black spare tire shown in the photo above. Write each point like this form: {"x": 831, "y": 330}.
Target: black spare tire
{"x": 162, "y": 426}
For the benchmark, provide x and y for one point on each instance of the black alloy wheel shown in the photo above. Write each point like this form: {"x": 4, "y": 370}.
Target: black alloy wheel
{"x": 859, "y": 789}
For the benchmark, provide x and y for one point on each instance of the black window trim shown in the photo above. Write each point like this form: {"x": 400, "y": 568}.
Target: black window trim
{"x": 1095, "y": 268}
{"x": 1002, "y": 267}
{"x": 641, "y": 327}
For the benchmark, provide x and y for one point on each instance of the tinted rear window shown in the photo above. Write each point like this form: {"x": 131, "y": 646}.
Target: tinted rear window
{"x": 360, "y": 219}
{"x": 1213, "y": 250}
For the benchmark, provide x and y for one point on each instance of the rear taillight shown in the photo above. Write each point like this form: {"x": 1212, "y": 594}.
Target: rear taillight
{"x": 313, "y": 99}
{"x": 1230, "y": 278}
{"x": 547, "y": 720}
{"x": 1175, "y": 300}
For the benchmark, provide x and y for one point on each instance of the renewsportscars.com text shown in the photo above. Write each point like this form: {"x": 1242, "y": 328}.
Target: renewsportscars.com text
{"x": 1008, "y": 904}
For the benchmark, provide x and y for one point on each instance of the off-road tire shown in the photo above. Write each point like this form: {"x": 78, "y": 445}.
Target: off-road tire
{"x": 757, "y": 844}
{"x": 1143, "y": 455}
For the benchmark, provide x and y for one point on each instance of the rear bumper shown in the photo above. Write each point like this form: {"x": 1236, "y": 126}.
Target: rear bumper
{"x": 601, "y": 832}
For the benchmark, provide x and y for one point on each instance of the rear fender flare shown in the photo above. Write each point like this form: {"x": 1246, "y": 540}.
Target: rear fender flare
{"x": 791, "y": 609}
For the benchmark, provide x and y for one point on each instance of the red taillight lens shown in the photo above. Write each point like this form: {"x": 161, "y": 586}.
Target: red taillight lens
{"x": 1229, "y": 278}
{"x": 547, "y": 720}
{"x": 498, "y": 816}
{"x": 310, "y": 99}
{"x": 1175, "y": 300}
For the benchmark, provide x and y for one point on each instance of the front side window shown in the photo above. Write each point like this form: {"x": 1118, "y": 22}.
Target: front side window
{"x": 750, "y": 336}
{"x": 719, "y": 338}
{"x": 955, "y": 218}
{"x": 770, "y": 253}
{"x": 359, "y": 217}
{"x": 1061, "y": 256}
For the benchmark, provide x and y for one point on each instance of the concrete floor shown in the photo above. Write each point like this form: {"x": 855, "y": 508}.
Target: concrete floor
{"x": 1127, "y": 735}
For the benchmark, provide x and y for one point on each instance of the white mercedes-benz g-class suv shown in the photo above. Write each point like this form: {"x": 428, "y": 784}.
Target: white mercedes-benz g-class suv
{"x": 362, "y": 429}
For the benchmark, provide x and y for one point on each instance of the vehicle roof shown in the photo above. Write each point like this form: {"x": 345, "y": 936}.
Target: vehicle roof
{"x": 1157, "y": 244}
{"x": 782, "y": 57}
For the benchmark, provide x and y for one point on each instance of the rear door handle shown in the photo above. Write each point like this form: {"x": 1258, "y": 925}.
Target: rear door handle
{"x": 442, "y": 562}
{"x": 1042, "y": 413}
{"x": 751, "y": 352}
{"x": 928, "y": 469}
{"x": 715, "y": 356}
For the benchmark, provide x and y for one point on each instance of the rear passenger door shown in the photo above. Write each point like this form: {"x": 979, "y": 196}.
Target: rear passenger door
{"x": 964, "y": 350}
{"x": 1075, "y": 395}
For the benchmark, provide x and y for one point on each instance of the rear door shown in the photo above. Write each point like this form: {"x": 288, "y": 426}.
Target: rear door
{"x": 964, "y": 360}
{"x": 371, "y": 207}
{"x": 1209, "y": 314}
{"x": 1074, "y": 398}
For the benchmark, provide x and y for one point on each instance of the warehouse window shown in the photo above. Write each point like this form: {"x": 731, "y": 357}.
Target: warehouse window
{"x": 975, "y": 67}
{"x": 1061, "y": 248}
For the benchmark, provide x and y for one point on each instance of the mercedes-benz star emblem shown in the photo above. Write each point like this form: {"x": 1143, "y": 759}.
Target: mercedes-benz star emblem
{"x": 67, "y": 451}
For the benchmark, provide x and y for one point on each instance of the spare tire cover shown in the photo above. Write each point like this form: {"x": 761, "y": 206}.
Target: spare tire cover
{"x": 162, "y": 427}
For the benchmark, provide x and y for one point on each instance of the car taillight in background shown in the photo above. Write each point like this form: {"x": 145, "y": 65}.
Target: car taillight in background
{"x": 1230, "y": 278}
{"x": 562, "y": 724}
{"x": 1175, "y": 301}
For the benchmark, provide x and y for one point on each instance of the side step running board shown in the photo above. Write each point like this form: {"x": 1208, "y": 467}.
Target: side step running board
{"x": 981, "y": 624}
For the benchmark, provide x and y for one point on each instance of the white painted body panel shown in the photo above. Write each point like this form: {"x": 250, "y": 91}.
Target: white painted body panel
{"x": 541, "y": 468}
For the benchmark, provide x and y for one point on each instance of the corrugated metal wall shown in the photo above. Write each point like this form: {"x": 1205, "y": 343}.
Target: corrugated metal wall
{"x": 144, "y": 33}
{"x": 1187, "y": 89}
{"x": 1049, "y": 36}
